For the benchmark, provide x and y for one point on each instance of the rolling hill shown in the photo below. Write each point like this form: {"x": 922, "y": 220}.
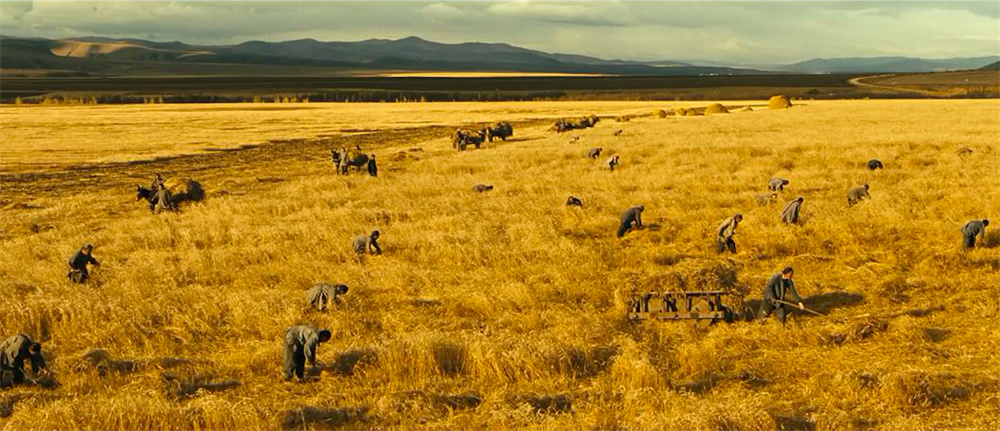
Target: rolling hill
{"x": 309, "y": 57}
{"x": 887, "y": 64}
{"x": 105, "y": 56}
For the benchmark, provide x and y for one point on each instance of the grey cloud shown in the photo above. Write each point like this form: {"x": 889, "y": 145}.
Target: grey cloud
{"x": 442, "y": 11}
{"x": 596, "y": 13}
{"x": 989, "y": 9}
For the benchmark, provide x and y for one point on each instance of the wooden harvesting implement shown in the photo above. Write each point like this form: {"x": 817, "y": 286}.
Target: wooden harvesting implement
{"x": 702, "y": 307}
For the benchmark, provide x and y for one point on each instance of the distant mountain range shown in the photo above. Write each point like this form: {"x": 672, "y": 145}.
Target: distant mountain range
{"x": 108, "y": 56}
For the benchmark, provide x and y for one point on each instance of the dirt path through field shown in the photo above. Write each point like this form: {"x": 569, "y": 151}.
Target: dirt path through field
{"x": 271, "y": 162}
{"x": 860, "y": 82}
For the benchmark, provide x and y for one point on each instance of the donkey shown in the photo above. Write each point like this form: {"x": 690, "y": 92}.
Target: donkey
{"x": 153, "y": 197}
{"x": 359, "y": 161}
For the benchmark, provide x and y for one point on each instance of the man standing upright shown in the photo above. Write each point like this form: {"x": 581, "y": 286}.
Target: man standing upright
{"x": 372, "y": 167}
{"x": 726, "y": 231}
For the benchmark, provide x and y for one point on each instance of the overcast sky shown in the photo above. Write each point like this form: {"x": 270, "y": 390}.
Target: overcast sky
{"x": 730, "y": 32}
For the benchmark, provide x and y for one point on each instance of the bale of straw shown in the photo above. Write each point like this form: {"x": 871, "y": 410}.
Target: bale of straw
{"x": 779, "y": 101}
{"x": 716, "y": 108}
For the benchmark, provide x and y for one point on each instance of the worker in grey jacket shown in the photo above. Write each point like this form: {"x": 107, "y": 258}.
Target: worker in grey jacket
{"x": 791, "y": 212}
{"x": 367, "y": 243}
{"x": 323, "y": 295}
{"x": 301, "y": 343}
{"x": 779, "y": 287}
{"x": 972, "y": 229}
{"x": 14, "y": 351}
{"x": 631, "y": 218}
{"x": 726, "y": 231}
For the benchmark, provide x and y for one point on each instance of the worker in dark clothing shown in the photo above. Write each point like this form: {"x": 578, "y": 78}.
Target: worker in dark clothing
{"x": 14, "y": 351}
{"x": 726, "y": 231}
{"x": 300, "y": 344}
{"x": 972, "y": 229}
{"x": 779, "y": 287}
{"x": 323, "y": 294}
{"x": 78, "y": 264}
{"x": 335, "y": 158}
{"x": 367, "y": 243}
{"x": 372, "y": 167}
{"x": 630, "y": 216}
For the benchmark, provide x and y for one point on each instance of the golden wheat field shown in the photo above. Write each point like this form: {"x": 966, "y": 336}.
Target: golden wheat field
{"x": 507, "y": 309}
{"x": 70, "y": 136}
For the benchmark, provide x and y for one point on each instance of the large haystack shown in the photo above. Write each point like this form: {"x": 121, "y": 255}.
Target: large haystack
{"x": 779, "y": 102}
{"x": 716, "y": 108}
{"x": 659, "y": 113}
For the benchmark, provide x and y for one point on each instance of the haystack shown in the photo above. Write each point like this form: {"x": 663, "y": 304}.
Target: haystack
{"x": 747, "y": 109}
{"x": 779, "y": 102}
{"x": 659, "y": 113}
{"x": 692, "y": 112}
{"x": 680, "y": 112}
{"x": 716, "y": 108}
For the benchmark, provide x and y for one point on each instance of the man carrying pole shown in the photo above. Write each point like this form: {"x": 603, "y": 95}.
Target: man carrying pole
{"x": 779, "y": 292}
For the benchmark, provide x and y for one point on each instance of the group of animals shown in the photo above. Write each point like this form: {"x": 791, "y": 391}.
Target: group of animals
{"x": 462, "y": 138}
{"x": 565, "y": 125}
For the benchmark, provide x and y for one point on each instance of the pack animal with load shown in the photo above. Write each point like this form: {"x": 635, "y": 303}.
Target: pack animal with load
{"x": 465, "y": 137}
{"x": 169, "y": 194}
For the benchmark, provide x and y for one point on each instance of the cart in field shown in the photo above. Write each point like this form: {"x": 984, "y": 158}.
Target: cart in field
{"x": 701, "y": 307}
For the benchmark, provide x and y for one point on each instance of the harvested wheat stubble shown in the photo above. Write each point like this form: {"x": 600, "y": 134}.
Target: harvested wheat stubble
{"x": 505, "y": 310}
